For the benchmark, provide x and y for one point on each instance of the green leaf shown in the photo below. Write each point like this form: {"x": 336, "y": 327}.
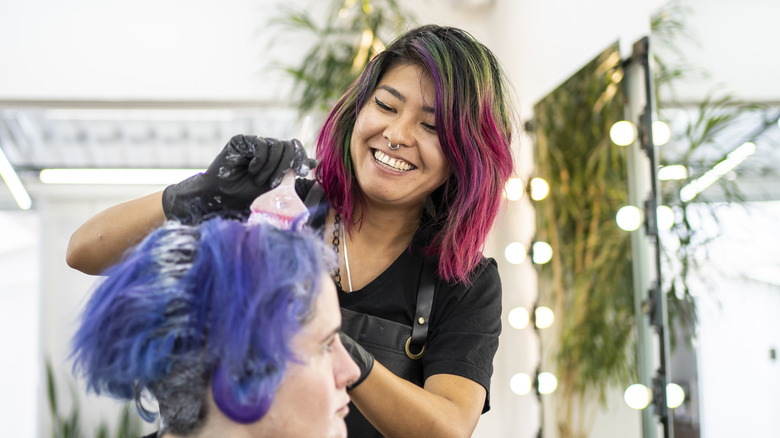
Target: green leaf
{"x": 51, "y": 390}
{"x": 327, "y": 67}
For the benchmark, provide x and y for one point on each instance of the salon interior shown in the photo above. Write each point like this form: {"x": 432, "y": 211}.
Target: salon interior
{"x": 686, "y": 104}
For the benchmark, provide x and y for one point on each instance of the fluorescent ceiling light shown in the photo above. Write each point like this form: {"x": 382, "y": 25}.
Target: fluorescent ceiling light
{"x": 672, "y": 172}
{"x": 732, "y": 160}
{"x": 116, "y": 176}
{"x": 15, "y": 185}
{"x": 124, "y": 114}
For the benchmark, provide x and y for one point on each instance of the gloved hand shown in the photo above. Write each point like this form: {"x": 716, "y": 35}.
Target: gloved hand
{"x": 363, "y": 359}
{"x": 247, "y": 167}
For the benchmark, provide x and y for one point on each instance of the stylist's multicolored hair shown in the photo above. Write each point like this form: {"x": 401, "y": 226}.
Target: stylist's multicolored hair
{"x": 191, "y": 300}
{"x": 473, "y": 113}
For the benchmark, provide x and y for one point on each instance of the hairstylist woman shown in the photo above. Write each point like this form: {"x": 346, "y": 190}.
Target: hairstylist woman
{"x": 413, "y": 161}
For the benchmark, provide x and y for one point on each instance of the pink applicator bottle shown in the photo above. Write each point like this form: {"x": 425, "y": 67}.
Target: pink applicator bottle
{"x": 281, "y": 206}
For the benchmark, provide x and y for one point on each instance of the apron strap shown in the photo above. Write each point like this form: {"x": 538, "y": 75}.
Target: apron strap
{"x": 422, "y": 314}
{"x": 425, "y": 291}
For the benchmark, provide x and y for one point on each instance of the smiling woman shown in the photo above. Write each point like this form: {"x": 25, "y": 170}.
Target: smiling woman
{"x": 413, "y": 160}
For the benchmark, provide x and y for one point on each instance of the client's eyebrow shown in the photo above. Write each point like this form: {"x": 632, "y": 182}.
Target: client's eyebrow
{"x": 331, "y": 333}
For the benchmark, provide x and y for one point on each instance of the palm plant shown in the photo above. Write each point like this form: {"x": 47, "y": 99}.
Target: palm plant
{"x": 694, "y": 145}
{"x": 352, "y": 32}
{"x": 589, "y": 280}
{"x": 70, "y": 425}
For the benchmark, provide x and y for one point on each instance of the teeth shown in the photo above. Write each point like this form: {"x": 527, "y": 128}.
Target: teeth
{"x": 396, "y": 164}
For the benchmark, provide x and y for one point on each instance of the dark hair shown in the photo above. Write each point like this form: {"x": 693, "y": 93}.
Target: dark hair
{"x": 191, "y": 298}
{"x": 473, "y": 116}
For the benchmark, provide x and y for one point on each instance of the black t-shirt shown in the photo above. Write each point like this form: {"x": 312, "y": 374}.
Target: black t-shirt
{"x": 465, "y": 321}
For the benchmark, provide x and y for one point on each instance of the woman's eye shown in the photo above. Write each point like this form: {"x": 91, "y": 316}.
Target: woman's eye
{"x": 382, "y": 105}
{"x": 329, "y": 346}
{"x": 429, "y": 127}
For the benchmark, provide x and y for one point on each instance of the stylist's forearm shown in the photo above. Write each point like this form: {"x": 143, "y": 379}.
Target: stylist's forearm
{"x": 449, "y": 406}
{"x": 101, "y": 240}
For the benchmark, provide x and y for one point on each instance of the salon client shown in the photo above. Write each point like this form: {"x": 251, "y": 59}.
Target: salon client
{"x": 233, "y": 328}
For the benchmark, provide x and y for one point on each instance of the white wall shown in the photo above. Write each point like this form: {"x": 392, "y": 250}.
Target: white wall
{"x": 20, "y": 275}
{"x": 136, "y": 50}
{"x": 739, "y": 383}
{"x": 735, "y": 43}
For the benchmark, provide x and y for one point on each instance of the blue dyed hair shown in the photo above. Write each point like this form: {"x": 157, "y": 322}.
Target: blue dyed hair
{"x": 190, "y": 298}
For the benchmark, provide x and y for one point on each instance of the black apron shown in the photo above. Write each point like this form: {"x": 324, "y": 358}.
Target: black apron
{"x": 397, "y": 346}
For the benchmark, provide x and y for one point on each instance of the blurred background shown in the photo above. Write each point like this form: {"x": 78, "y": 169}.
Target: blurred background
{"x": 163, "y": 84}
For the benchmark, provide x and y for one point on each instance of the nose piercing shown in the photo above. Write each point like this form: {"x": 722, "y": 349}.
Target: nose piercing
{"x": 390, "y": 145}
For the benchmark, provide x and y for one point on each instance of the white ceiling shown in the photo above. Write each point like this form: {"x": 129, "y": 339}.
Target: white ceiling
{"x": 41, "y": 135}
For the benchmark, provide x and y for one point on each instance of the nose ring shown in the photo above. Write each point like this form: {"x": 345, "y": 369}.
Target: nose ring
{"x": 390, "y": 145}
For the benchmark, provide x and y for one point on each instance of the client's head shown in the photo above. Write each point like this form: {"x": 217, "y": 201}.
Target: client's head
{"x": 228, "y": 325}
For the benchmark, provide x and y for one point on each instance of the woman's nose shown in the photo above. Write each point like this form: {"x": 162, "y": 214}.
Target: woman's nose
{"x": 400, "y": 132}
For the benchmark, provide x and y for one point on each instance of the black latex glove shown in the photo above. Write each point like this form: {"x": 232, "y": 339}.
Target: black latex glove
{"x": 247, "y": 167}
{"x": 363, "y": 359}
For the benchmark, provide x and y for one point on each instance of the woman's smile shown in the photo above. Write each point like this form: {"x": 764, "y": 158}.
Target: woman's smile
{"x": 396, "y": 164}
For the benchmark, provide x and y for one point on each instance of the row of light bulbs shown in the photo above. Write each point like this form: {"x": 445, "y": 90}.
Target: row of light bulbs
{"x": 538, "y": 189}
{"x": 629, "y": 218}
{"x": 636, "y": 396}
{"x": 521, "y": 383}
{"x": 520, "y": 318}
{"x": 516, "y": 253}
{"x": 623, "y": 133}
{"x": 639, "y": 396}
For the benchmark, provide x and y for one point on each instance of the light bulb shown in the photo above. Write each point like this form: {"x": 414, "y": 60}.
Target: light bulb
{"x": 520, "y": 384}
{"x": 661, "y": 133}
{"x": 629, "y": 218}
{"x": 541, "y": 252}
{"x": 514, "y": 189}
{"x": 519, "y": 317}
{"x": 637, "y": 396}
{"x": 665, "y": 216}
{"x": 547, "y": 383}
{"x": 622, "y": 133}
{"x": 544, "y": 317}
{"x": 515, "y": 253}
{"x": 539, "y": 189}
{"x": 675, "y": 395}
